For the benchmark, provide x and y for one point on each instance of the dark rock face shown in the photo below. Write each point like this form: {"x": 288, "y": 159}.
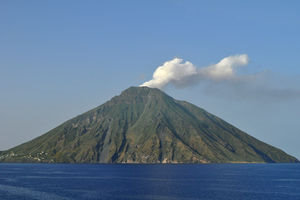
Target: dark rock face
{"x": 144, "y": 125}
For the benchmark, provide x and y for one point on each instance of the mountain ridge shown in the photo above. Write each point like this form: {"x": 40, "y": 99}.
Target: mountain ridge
{"x": 145, "y": 125}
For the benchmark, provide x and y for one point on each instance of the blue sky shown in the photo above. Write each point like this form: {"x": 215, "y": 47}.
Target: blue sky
{"x": 61, "y": 58}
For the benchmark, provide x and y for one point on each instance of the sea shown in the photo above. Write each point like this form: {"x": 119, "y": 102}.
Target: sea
{"x": 145, "y": 182}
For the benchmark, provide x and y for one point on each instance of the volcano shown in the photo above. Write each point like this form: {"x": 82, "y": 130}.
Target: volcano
{"x": 145, "y": 125}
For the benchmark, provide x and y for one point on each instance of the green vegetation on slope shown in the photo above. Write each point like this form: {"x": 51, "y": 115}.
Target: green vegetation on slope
{"x": 144, "y": 125}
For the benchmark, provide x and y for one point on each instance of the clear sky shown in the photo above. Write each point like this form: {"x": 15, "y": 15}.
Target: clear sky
{"x": 61, "y": 58}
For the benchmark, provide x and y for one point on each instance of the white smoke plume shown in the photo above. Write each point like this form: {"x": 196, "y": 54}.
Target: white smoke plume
{"x": 182, "y": 73}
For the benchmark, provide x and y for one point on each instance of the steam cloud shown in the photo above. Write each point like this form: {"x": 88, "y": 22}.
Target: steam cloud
{"x": 182, "y": 73}
{"x": 222, "y": 79}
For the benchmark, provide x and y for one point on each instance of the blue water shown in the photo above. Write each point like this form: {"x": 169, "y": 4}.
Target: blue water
{"x": 161, "y": 182}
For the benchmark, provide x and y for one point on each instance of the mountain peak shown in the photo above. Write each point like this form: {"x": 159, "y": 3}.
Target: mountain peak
{"x": 134, "y": 95}
{"x": 142, "y": 91}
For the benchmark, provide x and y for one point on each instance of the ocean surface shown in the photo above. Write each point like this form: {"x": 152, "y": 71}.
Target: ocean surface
{"x": 161, "y": 182}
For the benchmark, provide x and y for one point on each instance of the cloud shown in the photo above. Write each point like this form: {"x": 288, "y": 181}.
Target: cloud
{"x": 175, "y": 71}
{"x": 222, "y": 79}
{"x": 181, "y": 74}
{"x": 225, "y": 69}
